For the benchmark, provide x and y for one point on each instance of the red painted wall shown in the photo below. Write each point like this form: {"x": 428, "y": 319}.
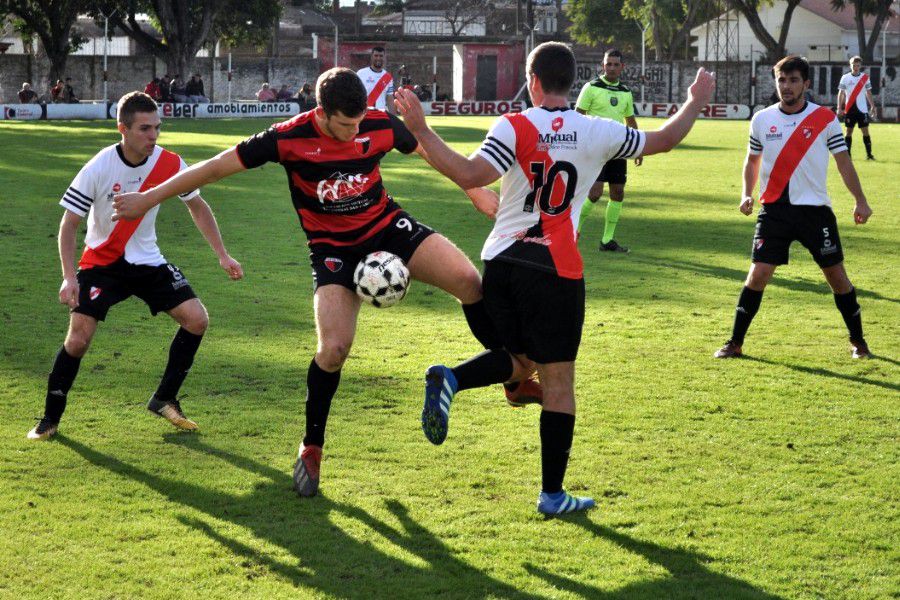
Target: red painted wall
{"x": 510, "y": 63}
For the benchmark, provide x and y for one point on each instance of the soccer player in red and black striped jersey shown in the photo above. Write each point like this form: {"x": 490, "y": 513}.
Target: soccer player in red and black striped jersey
{"x": 331, "y": 155}
{"x": 789, "y": 144}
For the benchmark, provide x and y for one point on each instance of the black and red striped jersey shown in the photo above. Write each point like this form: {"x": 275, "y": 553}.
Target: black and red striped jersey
{"x": 336, "y": 186}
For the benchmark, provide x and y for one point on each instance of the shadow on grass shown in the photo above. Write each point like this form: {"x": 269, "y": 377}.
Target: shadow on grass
{"x": 819, "y": 371}
{"x": 738, "y": 276}
{"x": 689, "y": 575}
{"x": 325, "y": 557}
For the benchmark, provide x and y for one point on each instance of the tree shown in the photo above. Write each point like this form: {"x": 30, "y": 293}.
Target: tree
{"x": 601, "y": 22}
{"x": 750, "y": 10}
{"x": 51, "y": 21}
{"x": 881, "y": 9}
{"x": 189, "y": 25}
{"x": 463, "y": 13}
{"x": 669, "y": 22}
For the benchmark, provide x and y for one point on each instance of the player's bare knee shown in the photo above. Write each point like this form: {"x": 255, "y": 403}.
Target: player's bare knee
{"x": 196, "y": 320}
{"x": 332, "y": 355}
{"x": 77, "y": 343}
{"x": 759, "y": 276}
{"x": 470, "y": 286}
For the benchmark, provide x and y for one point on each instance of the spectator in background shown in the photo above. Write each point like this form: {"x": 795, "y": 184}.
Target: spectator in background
{"x": 306, "y": 98}
{"x": 284, "y": 94}
{"x": 27, "y": 95}
{"x": 56, "y": 91}
{"x": 194, "y": 89}
{"x": 177, "y": 89}
{"x": 68, "y": 94}
{"x": 165, "y": 93}
{"x": 265, "y": 94}
{"x": 422, "y": 93}
{"x": 152, "y": 89}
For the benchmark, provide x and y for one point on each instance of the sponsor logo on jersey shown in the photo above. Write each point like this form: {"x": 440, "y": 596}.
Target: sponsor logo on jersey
{"x": 315, "y": 152}
{"x": 134, "y": 181}
{"x": 117, "y": 188}
{"x": 341, "y": 186}
{"x": 95, "y": 292}
{"x": 334, "y": 264}
{"x": 362, "y": 145}
{"x": 548, "y": 141}
{"x": 773, "y": 134}
{"x": 557, "y": 124}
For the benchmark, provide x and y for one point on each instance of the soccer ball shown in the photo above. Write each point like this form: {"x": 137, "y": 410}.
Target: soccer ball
{"x": 381, "y": 279}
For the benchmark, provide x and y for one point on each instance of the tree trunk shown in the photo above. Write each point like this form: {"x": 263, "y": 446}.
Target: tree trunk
{"x": 656, "y": 33}
{"x": 683, "y": 33}
{"x": 785, "y": 26}
{"x": 748, "y": 9}
{"x": 859, "y": 17}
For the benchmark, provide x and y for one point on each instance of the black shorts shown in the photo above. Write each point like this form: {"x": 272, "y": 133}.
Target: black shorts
{"x": 854, "y": 117}
{"x": 536, "y": 313}
{"x": 162, "y": 287}
{"x": 335, "y": 264}
{"x": 813, "y": 226}
{"x": 615, "y": 171}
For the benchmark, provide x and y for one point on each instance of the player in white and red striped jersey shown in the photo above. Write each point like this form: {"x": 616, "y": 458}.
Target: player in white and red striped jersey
{"x": 548, "y": 157}
{"x": 121, "y": 259}
{"x": 379, "y": 83}
{"x": 790, "y": 143}
{"x": 855, "y": 103}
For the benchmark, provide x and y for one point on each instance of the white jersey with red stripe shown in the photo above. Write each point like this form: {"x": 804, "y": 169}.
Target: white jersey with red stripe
{"x": 549, "y": 159}
{"x": 378, "y": 85}
{"x": 848, "y": 83}
{"x": 771, "y": 130}
{"x": 91, "y": 194}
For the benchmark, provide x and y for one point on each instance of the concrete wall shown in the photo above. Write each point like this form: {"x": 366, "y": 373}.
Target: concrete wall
{"x": 129, "y": 73}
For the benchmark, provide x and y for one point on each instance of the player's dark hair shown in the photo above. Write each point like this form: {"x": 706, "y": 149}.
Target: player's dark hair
{"x": 553, "y": 63}
{"x": 377, "y": 49}
{"x": 792, "y": 63}
{"x": 131, "y": 103}
{"x": 340, "y": 89}
{"x": 614, "y": 52}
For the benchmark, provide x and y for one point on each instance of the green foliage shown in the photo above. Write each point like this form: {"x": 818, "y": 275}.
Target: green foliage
{"x": 768, "y": 477}
{"x": 598, "y": 22}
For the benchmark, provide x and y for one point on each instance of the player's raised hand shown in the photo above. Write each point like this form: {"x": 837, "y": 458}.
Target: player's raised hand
{"x": 746, "y": 205}
{"x": 68, "y": 292}
{"x": 409, "y": 107}
{"x": 862, "y": 212}
{"x": 232, "y": 267}
{"x": 486, "y": 201}
{"x": 703, "y": 87}
{"x": 130, "y": 206}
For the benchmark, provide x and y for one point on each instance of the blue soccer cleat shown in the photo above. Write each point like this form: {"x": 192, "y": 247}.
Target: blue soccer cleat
{"x": 440, "y": 386}
{"x": 561, "y": 503}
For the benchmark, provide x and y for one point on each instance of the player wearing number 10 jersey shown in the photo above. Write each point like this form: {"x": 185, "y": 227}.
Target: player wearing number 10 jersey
{"x": 548, "y": 156}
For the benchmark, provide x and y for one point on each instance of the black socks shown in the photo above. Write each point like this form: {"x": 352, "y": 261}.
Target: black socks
{"x": 59, "y": 382}
{"x": 181, "y": 357}
{"x": 487, "y": 368}
{"x": 747, "y": 306}
{"x": 556, "y": 441}
{"x": 320, "y": 388}
{"x": 850, "y": 310}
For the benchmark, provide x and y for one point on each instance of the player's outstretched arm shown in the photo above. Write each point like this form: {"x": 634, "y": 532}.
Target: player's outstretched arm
{"x": 68, "y": 291}
{"x": 751, "y": 174}
{"x": 467, "y": 173}
{"x": 205, "y": 221}
{"x": 862, "y": 211}
{"x": 678, "y": 125}
{"x": 136, "y": 204}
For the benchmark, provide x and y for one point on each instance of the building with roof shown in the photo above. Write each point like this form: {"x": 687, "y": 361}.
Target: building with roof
{"x": 817, "y": 32}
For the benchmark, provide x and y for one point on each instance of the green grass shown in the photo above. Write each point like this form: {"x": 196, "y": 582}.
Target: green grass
{"x": 775, "y": 476}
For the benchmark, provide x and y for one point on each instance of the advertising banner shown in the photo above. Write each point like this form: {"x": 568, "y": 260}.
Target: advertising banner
{"x": 489, "y": 108}
{"x": 21, "y": 112}
{"x": 710, "y": 111}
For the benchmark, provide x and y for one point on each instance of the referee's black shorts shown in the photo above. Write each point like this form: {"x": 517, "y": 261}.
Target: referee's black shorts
{"x": 615, "y": 171}
{"x": 536, "y": 313}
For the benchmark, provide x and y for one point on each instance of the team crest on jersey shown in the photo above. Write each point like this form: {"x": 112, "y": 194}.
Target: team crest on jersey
{"x": 557, "y": 124}
{"x": 758, "y": 243}
{"x": 362, "y": 145}
{"x": 341, "y": 186}
{"x": 334, "y": 264}
{"x": 807, "y": 132}
{"x": 614, "y": 101}
{"x": 95, "y": 292}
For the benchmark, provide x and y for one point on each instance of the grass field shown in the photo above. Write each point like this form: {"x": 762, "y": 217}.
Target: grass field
{"x": 775, "y": 476}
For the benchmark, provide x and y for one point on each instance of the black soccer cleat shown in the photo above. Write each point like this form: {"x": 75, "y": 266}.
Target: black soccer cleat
{"x": 870, "y": 157}
{"x": 612, "y": 246}
{"x": 859, "y": 349}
